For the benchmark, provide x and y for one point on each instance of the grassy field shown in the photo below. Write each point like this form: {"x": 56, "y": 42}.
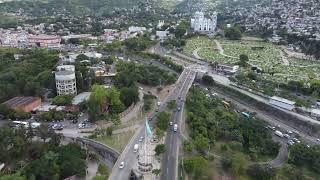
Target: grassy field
{"x": 264, "y": 55}
{"x": 118, "y": 141}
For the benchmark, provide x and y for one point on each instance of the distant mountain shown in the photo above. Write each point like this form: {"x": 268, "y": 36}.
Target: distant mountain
{"x": 76, "y": 7}
{"x": 190, "y": 6}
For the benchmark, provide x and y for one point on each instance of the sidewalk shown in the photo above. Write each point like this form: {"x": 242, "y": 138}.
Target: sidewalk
{"x": 91, "y": 169}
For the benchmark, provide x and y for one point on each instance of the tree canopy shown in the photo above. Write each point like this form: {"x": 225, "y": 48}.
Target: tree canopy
{"x": 39, "y": 159}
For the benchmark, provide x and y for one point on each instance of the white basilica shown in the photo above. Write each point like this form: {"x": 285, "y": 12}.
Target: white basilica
{"x": 201, "y": 24}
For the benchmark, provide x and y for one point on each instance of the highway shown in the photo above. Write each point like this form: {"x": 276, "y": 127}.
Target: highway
{"x": 169, "y": 169}
{"x": 169, "y": 166}
{"x": 128, "y": 156}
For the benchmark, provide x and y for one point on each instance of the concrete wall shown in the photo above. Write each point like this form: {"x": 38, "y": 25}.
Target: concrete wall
{"x": 109, "y": 155}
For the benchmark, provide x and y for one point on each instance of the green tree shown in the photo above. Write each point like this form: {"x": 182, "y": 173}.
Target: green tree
{"x": 238, "y": 164}
{"x": 16, "y": 176}
{"x": 109, "y": 60}
{"x": 187, "y": 146}
{"x": 201, "y": 143}
{"x": 147, "y": 102}
{"x": 138, "y": 43}
{"x": 22, "y": 115}
{"x": 62, "y": 100}
{"x": 97, "y": 101}
{"x": 74, "y": 41}
{"x": 159, "y": 133}
{"x": 207, "y": 80}
{"x": 103, "y": 170}
{"x": 6, "y": 111}
{"x": 129, "y": 95}
{"x": 100, "y": 177}
{"x": 243, "y": 60}
{"x": 180, "y": 30}
{"x": 44, "y": 132}
{"x": 196, "y": 166}
{"x": 156, "y": 172}
{"x": 163, "y": 120}
{"x": 82, "y": 57}
{"x": 160, "y": 148}
{"x": 71, "y": 162}
{"x": 263, "y": 172}
{"x": 44, "y": 168}
{"x": 172, "y": 104}
{"x": 116, "y": 106}
{"x": 233, "y": 33}
{"x": 292, "y": 172}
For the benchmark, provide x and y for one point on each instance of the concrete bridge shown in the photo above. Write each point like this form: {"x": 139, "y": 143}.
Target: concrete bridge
{"x": 106, "y": 154}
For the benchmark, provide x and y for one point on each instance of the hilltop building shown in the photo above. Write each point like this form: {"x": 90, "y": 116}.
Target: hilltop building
{"x": 201, "y": 24}
{"x": 66, "y": 80}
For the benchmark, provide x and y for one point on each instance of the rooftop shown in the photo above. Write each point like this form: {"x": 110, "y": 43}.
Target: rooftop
{"x": 20, "y": 101}
{"x": 280, "y": 99}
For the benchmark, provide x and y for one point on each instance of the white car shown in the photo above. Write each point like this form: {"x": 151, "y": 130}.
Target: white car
{"x": 171, "y": 123}
{"x": 141, "y": 139}
{"x": 290, "y": 142}
{"x": 286, "y": 136}
{"x": 318, "y": 140}
{"x": 81, "y": 126}
{"x": 121, "y": 165}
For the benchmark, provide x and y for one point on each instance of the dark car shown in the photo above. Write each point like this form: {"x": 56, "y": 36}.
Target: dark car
{"x": 74, "y": 121}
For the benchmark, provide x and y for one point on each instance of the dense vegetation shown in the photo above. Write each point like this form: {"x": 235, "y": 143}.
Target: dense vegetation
{"x": 28, "y": 75}
{"x": 76, "y": 7}
{"x": 129, "y": 73}
{"x": 139, "y": 43}
{"x": 166, "y": 61}
{"x": 28, "y": 159}
{"x": 210, "y": 123}
{"x": 303, "y": 156}
{"x": 104, "y": 102}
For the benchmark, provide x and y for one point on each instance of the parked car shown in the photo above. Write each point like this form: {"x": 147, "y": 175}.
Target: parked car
{"x": 57, "y": 127}
{"x": 286, "y": 136}
{"x": 74, "y": 121}
{"x": 81, "y": 125}
{"x": 290, "y": 142}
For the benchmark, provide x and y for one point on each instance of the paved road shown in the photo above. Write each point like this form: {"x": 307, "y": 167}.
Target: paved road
{"x": 172, "y": 142}
{"x": 128, "y": 156}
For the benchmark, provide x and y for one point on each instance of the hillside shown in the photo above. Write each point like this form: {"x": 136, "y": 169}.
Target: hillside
{"x": 74, "y": 7}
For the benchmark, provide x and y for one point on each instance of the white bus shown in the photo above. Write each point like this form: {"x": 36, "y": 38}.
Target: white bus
{"x": 20, "y": 123}
{"x": 25, "y": 124}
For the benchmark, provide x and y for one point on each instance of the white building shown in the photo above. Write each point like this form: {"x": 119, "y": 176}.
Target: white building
{"x": 133, "y": 29}
{"x": 162, "y": 34}
{"x": 201, "y": 24}
{"x": 282, "y": 103}
{"x": 66, "y": 80}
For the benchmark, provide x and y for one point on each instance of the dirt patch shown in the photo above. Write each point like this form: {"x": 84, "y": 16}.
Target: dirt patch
{"x": 162, "y": 94}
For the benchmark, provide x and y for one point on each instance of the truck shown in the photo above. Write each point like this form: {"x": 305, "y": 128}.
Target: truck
{"x": 135, "y": 148}
{"x": 278, "y": 133}
{"x": 175, "y": 127}
{"x": 226, "y": 104}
